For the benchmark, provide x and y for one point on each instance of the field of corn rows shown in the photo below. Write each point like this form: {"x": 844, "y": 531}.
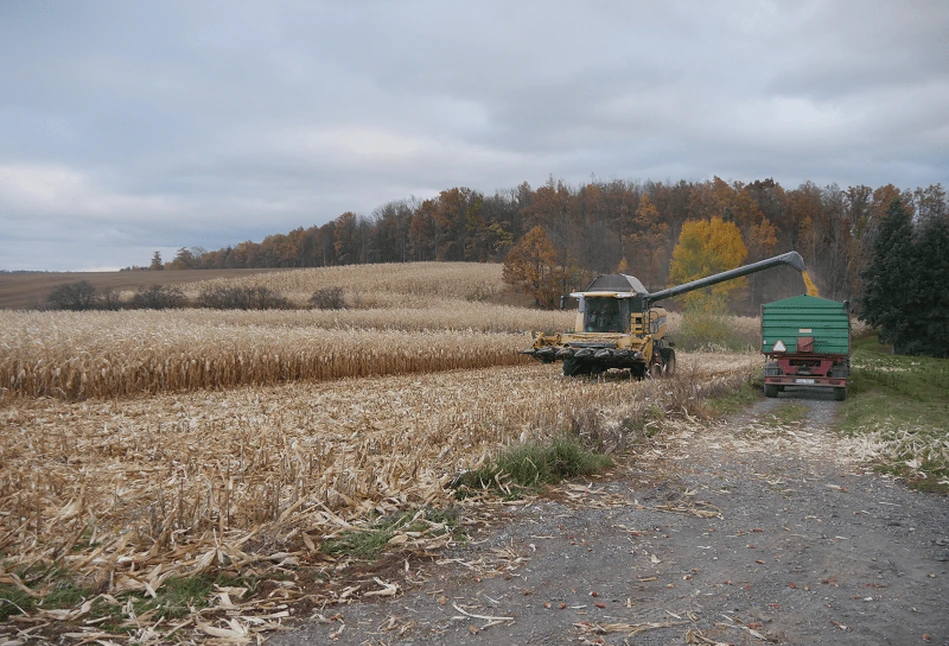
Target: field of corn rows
{"x": 435, "y": 323}
{"x": 140, "y": 446}
{"x": 78, "y": 356}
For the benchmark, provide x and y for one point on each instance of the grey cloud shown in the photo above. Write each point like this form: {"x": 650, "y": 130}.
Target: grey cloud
{"x": 178, "y": 124}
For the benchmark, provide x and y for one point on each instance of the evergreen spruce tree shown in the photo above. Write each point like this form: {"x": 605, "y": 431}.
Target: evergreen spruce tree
{"x": 930, "y": 306}
{"x": 890, "y": 279}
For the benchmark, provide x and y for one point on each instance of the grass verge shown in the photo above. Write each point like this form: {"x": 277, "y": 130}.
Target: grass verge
{"x": 51, "y": 588}
{"x": 901, "y": 404}
{"x": 530, "y": 466}
{"x": 369, "y": 542}
{"x": 40, "y": 587}
{"x": 736, "y": 399}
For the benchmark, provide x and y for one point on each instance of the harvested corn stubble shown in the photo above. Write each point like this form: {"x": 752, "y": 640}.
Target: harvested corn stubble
{"x": 209, "y": 470}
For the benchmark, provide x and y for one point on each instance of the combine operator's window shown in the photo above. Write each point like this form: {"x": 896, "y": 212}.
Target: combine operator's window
{"x": 605, "y": 314}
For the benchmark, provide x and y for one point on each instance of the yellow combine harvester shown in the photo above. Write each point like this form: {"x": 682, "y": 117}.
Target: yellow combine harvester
{"x": 618, "y": 327}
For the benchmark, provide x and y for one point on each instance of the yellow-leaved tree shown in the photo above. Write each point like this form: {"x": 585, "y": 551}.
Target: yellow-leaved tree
{"x": 707, "y": 247}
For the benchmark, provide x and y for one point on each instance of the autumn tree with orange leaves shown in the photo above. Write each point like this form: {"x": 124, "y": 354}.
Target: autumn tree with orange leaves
{"x": 648, "y": 242}
{"x": 532, "y": 266}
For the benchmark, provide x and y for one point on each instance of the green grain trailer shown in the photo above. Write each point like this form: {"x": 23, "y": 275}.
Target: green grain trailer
{"x": 806, "y": 340}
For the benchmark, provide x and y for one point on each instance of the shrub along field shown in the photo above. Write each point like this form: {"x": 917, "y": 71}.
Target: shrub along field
{"x": 30, "y": 289}
{"x": 169, "y": 471}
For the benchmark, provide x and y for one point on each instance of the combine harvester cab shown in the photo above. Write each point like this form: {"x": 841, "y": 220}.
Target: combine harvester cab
{"x": 806, "y": 340}
{"x": 618, "y": 327}
{"x": 614, "y": 329}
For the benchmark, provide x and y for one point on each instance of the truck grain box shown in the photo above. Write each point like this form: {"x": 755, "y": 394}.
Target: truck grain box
{"x": 806, "y": 340}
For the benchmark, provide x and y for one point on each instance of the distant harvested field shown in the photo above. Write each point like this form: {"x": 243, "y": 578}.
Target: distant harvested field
{"x": 28, "y": 290}
{"x": 419, "y": 284}
{"x": 364, "y": 286}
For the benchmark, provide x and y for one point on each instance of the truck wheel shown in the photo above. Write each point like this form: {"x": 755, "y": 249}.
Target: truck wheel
{"x": 840, "y": 394}
{"x": 770, "y": 390}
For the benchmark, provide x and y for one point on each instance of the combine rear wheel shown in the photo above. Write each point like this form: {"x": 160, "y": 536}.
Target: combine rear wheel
{"x": 770, "y": 390}
{"x": 840, "y": 394}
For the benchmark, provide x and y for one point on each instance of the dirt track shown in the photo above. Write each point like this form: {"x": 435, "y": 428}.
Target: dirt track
{"x": 747, "y": 533}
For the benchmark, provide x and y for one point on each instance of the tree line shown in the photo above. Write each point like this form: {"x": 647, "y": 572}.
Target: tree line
{"x": 602, "y": 227}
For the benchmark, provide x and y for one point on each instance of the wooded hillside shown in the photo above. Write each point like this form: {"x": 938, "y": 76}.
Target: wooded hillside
{"x": 602, "y": 227}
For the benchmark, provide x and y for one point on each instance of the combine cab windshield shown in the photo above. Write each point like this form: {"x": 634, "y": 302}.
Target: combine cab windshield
{"x": 605, "y": 314}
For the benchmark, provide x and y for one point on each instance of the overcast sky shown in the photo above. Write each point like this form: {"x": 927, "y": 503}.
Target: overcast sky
{"x": 133, "y": 126}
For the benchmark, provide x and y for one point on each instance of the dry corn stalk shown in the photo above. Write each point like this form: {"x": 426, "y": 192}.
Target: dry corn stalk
{"x": 129, "y": 492}
{"x": 81, "y": 355}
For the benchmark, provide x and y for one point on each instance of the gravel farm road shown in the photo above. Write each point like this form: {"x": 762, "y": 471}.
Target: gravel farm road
{"x": 745, "y": 532}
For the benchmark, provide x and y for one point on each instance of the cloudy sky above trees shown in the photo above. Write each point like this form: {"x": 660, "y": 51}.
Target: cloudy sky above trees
{"x": 130, "y": 127}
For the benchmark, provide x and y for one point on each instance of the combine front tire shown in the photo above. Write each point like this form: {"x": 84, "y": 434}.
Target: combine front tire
{"x": 574, "y": 368}
{"x": 840, "y": 394}
{"x": 770, "y": 390}
{"x": 669, "y": 363}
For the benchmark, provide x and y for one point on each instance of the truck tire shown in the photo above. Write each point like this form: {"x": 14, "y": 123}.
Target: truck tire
{"x": 840, "y": 394}
{"x": 770, "y": 390}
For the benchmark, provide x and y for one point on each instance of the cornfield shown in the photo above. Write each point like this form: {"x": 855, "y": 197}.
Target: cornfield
{"x": 107, "y": 354}
{"x": 76, "y": 356}
{"x": 138, "y": 446}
